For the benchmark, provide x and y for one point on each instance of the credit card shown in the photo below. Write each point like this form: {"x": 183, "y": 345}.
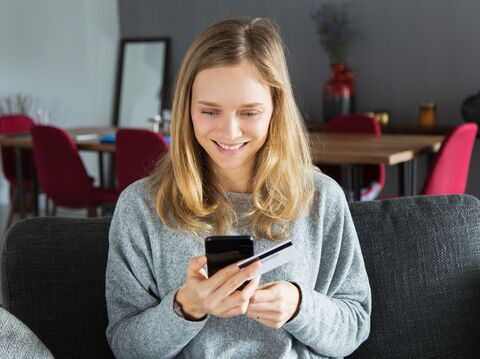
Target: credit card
{"x": 272, "y": 258}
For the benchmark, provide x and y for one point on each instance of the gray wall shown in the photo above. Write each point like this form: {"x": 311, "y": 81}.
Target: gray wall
{"x": 409, "y": 52}
{"x": 62, "y": 54}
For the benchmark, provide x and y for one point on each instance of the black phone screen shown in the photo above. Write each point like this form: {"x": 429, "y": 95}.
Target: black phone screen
{"x": 224, "y": 250}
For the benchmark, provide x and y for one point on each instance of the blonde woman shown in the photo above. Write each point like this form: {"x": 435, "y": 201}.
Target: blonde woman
{"x": 239, "y": 163}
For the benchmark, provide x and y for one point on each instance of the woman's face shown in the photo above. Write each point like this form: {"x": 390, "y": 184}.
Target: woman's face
{"x": 231, "y": 112}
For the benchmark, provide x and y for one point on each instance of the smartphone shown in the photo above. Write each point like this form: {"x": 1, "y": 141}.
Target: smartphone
{"x": 222, "y": 251}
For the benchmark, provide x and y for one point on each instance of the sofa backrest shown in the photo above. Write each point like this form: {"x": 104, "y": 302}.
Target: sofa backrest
{"x": 53, "y": 280}
{"x": 422, "y": 255}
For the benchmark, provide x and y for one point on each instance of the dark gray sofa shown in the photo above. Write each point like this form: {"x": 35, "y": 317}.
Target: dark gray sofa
{"x": 422, "y": 255}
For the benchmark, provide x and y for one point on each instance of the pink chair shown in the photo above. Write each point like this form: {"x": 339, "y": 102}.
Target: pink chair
{"x": 373, "y": 175}
{"x": 137, "y": 152}
{"x": 10, "y": 125}
{"x": 61, "y": 173}
{"x": 449, "y": 172}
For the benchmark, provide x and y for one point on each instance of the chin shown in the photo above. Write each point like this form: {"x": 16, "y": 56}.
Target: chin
{"x": 224, "y": 165}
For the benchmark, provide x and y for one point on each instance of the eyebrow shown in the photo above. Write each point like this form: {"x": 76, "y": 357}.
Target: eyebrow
{"x": 213, "y": 104}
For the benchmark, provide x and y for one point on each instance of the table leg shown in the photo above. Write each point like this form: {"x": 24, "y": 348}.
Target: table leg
{"x": 345, "y": 177}
{"x": 413, "y": 177}
{"x": 430, "y": 159}
{"x": 111, "y": 172}
{"x": 357, "y": 182}
{"x": 20, "y": 182}
{"x": 34, "y": 190}
{"x": 100, "y": 169}
{"x": 401, "y": 179}
{"x": 110, "y": 180}
{"x": 405, "y": 178}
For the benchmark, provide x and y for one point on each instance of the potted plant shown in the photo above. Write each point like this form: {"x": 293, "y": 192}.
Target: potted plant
{"x": 336, "y": 31}
{"x": 15, "y": 104}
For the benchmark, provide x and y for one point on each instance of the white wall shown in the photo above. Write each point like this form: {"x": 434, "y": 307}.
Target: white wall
{"x": 62, "y": 53}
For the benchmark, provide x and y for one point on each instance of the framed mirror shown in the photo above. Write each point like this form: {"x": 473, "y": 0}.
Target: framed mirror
{"x": 141, "y": 84}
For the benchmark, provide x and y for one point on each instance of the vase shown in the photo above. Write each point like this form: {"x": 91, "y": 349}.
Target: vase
{"x": 339, "y": 92}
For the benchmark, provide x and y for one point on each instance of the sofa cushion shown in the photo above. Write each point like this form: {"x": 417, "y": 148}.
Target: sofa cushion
{"x": 422, "y": 256}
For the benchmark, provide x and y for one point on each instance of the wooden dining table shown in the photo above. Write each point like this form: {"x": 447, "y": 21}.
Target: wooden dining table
{"x": 351, "y": 151}
{"x": 86, "y": 139}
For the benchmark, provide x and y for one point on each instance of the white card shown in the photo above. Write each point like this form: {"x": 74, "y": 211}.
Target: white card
{"x": 272, "y": 258}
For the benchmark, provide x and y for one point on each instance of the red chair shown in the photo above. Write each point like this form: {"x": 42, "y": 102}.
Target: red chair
{"x": 9, "y": 125}
{"x": 373, "y": 175}
{"x": 137, "y": 152}
{"x": 62, "y": 174}
{"x": 449, "y": 172}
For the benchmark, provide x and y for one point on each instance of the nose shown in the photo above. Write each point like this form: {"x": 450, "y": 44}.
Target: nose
{"x": 231, "y": 128}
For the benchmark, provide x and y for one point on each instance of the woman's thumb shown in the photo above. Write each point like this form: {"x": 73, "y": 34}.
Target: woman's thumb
{"x": 196, "y": 263}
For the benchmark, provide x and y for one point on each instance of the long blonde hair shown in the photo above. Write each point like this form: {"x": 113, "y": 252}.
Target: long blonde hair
{"x": 187, "y": 194}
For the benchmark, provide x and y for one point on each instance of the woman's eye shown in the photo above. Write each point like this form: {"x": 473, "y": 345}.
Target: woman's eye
{"x": 209, "y": 113}
{"x": 250, "y": 114}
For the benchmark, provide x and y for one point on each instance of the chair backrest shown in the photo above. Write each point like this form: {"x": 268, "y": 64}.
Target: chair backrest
{"x": 15, "y": 124}
{"x": 137, "y": 152}
{"x": 449, "y": 172}
{"x": 53, "y": 280}
{"x": 421, "y": 255}
{"x": 60, "y": 170}
{"x": 354, "y": 123}
{"x": 360, "y": 124}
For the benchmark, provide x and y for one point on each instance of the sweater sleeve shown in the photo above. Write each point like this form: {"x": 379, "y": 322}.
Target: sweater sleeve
{"x": 141, "y": 324}
{"x": 334, "y": 317}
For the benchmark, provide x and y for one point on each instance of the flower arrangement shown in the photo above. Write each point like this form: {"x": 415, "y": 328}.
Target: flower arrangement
{"x": 336, "y": 30}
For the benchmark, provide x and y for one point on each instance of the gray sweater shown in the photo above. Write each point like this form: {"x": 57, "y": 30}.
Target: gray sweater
{"x": 147, "y": 263}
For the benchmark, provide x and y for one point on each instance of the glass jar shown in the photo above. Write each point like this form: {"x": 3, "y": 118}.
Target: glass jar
{"x": 427, "y": 114}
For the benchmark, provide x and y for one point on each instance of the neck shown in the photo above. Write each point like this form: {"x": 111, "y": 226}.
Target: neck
{"x": 237, "y": 180}
{"x": 237, "y": 186}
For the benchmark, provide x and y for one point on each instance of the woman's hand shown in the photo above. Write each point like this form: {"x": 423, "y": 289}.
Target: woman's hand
{"x": 216, "y": 295}
{"x": 273, "y": 304}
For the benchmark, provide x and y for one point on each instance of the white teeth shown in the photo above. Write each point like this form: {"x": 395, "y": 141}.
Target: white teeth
{"x": 233, "y": 147}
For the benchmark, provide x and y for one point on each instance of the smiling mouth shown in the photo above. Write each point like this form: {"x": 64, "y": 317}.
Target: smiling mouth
{"x": 236, "y": 146}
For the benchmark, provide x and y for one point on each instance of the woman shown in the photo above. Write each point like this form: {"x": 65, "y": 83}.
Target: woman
{"x": 239, "y": 163}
